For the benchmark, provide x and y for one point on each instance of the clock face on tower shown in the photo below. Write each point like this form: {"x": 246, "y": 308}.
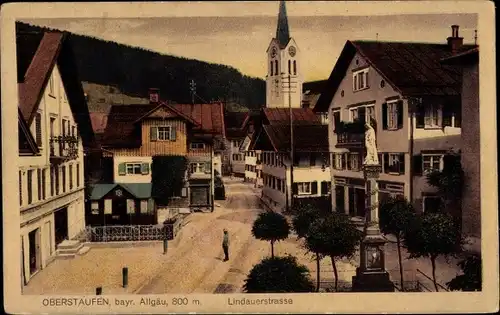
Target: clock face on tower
{"x": 273, "y": 52}
{"x": 292, "y": 51}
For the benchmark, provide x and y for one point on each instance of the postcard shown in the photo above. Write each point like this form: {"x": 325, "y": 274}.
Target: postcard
{"x": 244, "y": 157}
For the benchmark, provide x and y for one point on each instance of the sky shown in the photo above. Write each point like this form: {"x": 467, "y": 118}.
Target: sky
{"x": 241, "y": 41}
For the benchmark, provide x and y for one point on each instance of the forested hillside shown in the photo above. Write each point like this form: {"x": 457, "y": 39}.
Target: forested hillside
{"x": 134, "y": 70}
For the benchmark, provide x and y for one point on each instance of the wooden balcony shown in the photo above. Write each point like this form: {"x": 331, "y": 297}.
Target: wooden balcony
{"x": 63, "y": 148}
{"x": 350, "y": 135}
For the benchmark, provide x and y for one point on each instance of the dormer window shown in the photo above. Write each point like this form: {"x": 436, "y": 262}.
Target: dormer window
{"x": 197, "y": 145}
{"x": 360, "y": 80}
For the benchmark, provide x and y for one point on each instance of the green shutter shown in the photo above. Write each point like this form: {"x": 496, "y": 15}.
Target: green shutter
{"x": 145, "y": 168}
{"x": 153, "y": 133}
{"x": 314, "y": 188}
{"x": 122, "y": 169}
{"x": 173, "y": 133}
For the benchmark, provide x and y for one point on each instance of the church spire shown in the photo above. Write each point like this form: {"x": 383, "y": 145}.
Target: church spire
{"x": 282, "y": 31}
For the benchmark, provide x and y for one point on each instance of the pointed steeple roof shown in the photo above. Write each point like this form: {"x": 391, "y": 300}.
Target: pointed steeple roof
{"x": 282, "y": 31}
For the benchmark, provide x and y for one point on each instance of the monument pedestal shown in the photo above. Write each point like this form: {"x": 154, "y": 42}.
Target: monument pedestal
{"x": 371, "y": 275}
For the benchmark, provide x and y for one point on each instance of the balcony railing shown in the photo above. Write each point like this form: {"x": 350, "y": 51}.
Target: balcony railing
{"x": 63, "y": 148}
{"x": 350, "y": 134}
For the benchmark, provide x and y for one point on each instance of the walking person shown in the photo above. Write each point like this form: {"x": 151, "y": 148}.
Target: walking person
{"x": 225, "y": 245}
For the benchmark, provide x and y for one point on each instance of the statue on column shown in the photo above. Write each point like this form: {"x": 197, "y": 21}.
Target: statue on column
{"x": 371, "y": 146}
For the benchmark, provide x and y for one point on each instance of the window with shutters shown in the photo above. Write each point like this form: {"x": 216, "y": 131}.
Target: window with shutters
{"x": 394, "y": 163}
{"x": 30, "y": 186}
{"x": 433, "y": 117}
{"x": 94, "y": 207}
{"x": 164, "y": 133}
{"x": 432, "y": 162}
{"x": 392, "y": 115}
{"x": 133, "y": 168}
{"x": 336, "y": 118}
{"x": 360, "y": 80}
{"x": 304, "y": 188}
{"x": 38, "y": 129}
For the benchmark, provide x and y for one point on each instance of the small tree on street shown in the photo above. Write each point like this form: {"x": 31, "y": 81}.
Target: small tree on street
{"x": 471, "y": 279}
{"x": 271, "y": 226}
{"x": 433, "y": 235}
{"x": 278, "y": 275}
{"x": 396, "y": 215}
{"x": 306, "y": 214}
{"x": 334, "y": 236}
{"x": 449, "y": 183}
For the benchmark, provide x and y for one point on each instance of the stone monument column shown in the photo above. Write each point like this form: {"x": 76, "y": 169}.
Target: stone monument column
{"x": 371, "y": 275}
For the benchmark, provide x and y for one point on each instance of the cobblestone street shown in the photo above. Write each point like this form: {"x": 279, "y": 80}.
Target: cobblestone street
{"x": 194, "y": 262}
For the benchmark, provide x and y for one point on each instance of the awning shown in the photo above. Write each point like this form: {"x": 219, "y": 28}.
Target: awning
{"x": 139, "y": 190}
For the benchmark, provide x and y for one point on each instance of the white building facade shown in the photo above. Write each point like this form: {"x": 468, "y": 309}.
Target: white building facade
{"x": 51, "y": 180}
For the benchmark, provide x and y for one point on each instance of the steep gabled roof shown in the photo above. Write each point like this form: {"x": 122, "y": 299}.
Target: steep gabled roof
{"x": 123, "y": 129}
{"x": 53, "y": 49}
{"x": 301, "y": 116}
{"x": 173, "y": 109}
{"x": 307, "y": 138}
{"x": 413, "y": 69}
{"x": 37, "y": 74}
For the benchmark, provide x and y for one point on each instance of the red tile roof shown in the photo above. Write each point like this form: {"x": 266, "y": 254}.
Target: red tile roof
{"x": 307, "y": 138}
{"x": 123, "y": 131}
{"x": 37, "y": 74}
{"x": 304, "y": 116}
{"x": 413, "y": 69}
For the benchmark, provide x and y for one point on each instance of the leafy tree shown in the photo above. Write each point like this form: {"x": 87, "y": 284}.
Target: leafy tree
{"x": 334, "y": 236}
{"x": 449, "y": 183}
{"x": 471, "y": 279}
{"x": 168, "y": 175}
{"x": 433, "y": 235}
{"x": 271, "y": 226}
{"x": 278, "y": 275}
{"x": 306, "y": 213}
{"x": 396, "y": 215}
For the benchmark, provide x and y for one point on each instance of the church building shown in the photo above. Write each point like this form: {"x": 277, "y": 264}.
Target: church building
{"x": 273, "y": 131}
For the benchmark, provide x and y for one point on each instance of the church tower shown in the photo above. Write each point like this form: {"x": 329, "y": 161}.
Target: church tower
{"x": 283, "y": 79}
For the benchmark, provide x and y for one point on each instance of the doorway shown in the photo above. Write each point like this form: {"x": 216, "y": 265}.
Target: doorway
{"x": 356, "y": 202}
{"x": 199, "y": 196}
{"x": 61, "y": 225}
{"x": 34, "y": 250}
{"x": 119, "y": 213}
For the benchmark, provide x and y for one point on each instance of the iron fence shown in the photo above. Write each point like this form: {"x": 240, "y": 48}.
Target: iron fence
{"x": 117, "y": 233}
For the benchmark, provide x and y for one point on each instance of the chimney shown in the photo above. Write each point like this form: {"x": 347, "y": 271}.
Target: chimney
{"x": 454, "y": 41}
{"x": 154, "y": 96}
